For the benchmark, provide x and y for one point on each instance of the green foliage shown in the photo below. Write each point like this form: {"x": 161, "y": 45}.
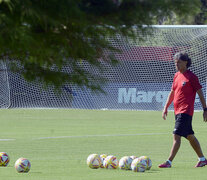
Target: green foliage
{"x": 201, "y": 17}
{"x": 43, "y": 36}
{"x": 196, "y": 15}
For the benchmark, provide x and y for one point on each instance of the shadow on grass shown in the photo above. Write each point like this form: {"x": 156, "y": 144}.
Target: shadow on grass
{"x": 153, "y": 171}
{"x": 34, "y": 172}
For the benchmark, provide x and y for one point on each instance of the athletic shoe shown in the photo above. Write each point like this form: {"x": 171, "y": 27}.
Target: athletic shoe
{"x": 201, "y": 163}
{"x": 165, "y": 165}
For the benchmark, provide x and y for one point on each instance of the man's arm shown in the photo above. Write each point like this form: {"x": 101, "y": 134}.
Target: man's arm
{"x": 168, "y": 102}
{"x": 203, "y": 102}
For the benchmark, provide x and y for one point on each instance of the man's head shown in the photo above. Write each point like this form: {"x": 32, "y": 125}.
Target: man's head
{"x": 182, "y": 61}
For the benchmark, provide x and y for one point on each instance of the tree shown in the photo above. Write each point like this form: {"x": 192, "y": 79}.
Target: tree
{"x": 201, "y": 17}
{"x": 43, "y": 36}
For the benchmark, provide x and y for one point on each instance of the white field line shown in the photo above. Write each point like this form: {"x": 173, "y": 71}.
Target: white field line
{"x": 103, "y": 135}
{"x": 7, "y": 139}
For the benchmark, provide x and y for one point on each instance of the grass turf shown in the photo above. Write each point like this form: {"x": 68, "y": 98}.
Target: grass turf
{"x": 58, "y": 141}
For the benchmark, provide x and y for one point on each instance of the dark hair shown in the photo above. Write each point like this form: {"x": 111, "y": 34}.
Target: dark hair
{"x": 184, "y": 57}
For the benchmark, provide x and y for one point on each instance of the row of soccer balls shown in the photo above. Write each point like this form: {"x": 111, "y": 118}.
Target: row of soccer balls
{"x": 22, "y": 165}
{"x": 136, "y": 164}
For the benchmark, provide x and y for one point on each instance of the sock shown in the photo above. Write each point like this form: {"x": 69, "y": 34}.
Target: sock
{"x": 201, "y": 158}
{"x": 170, "y": 162}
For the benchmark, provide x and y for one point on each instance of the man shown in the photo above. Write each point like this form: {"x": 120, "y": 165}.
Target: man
{"x": 184, "y": 88}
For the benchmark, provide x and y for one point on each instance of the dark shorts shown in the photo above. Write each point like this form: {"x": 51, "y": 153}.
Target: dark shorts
{"x": 183, "y": 125}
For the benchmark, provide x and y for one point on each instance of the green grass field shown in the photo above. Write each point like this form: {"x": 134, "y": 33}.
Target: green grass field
{"x": 58, "y": 141}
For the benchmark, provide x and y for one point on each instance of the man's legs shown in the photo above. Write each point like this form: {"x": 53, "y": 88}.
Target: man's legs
{"x": 195, "y": 144}
{"x": 197, "y": 148}
{"x": 173, "y": 152}
{"x": 175, "y": 147}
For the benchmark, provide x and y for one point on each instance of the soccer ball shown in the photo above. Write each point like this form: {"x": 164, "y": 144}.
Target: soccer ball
{"x": 148, "y": 161}
{"x": 111, "y": 162}
{"x": 102, "y": 156}
{"x": 138, "y": 165}
{"x": 22, "y": 165}
{"x": 125, "y": 163}
{"x": 4, "y": 159}
{"x": 94, "y": 161}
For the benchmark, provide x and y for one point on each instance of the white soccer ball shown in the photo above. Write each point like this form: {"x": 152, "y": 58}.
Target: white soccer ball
{"x": 94, "y": 161}
{"x": 125, "y": 163}
{"x": 148, "y": 161}
{"x": 22, "y": 165}
{"x": 4, "y": 159}
{"x": 103, "y": 157}
{"x": 111, "y": 162}
{"x": 138, "y": 165}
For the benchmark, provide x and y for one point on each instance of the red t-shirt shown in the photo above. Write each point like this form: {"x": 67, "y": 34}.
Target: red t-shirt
{"x": 185, "y": 85}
